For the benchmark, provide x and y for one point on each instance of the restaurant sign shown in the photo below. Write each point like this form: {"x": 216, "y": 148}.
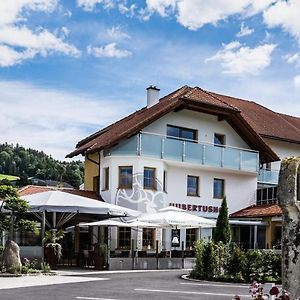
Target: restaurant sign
{"x": 199, "y": 208}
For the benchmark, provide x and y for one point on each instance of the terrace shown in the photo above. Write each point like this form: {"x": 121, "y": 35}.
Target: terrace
{"x": 190, "y": 151}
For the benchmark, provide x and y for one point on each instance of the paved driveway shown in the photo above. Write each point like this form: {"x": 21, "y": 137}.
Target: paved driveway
{"x": 155, "y": 285}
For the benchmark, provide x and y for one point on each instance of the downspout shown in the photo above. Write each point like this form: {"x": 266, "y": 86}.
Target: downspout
{"x": 98, "y": 164}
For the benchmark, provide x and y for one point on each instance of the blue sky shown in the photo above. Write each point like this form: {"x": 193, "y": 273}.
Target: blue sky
{"x": 68, "y": 68}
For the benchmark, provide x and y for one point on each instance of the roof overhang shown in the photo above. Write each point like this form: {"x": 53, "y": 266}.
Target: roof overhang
{"x": 231, "y": 115}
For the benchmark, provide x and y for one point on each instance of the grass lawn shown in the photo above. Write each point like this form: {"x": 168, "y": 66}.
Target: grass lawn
{"x": 8, "y": 177}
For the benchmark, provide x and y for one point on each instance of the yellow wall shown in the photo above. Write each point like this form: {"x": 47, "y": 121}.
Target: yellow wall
{"x": 90, "y": 170}
{"x": 270, "y": 232}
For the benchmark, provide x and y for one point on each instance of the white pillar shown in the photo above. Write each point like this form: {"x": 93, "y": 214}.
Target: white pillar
{"x": 255, "y": 237}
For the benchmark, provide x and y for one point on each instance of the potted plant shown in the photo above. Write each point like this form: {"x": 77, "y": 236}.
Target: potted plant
{"x": 53, "y": 248}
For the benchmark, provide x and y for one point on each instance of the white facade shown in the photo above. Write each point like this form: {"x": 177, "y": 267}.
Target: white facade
{"x": 283, "y": 149}
{"x": 240, "y": 186}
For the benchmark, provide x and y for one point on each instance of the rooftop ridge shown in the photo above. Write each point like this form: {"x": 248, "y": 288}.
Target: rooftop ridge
{"x": 213, "y": 95}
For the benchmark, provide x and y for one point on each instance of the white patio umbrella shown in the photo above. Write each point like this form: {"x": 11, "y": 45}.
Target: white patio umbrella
{"x": 68, "y": 205}
{"x": 59, "y": 201}
{"x": 111, "y": 222}
{"x": 114, "y": 223}
{"x": 175, "y": 217}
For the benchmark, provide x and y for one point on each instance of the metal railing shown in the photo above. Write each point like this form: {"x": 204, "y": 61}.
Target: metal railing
{"x": 176, "y": 149}
{"x": 268, "y": 176}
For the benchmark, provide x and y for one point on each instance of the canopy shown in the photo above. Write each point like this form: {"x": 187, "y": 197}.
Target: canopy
{"x": 175, "y": 217}
{"x": 110, "y": 222}
{"x": 58, "y": 201}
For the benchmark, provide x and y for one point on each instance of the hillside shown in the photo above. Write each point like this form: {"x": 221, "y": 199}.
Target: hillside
{"x": 26, "y": 163}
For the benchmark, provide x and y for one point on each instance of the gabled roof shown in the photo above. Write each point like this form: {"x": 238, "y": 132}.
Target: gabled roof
{"x": 258, "y": 211}
{"x": 266, "y": 122}
{"x": 251, "y": 120}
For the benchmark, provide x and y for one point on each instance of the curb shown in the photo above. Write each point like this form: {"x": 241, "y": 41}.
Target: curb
{"x": 8, "y": 275}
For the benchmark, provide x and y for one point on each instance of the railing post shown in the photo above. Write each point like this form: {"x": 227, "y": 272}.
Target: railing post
{"x": 222, "y": 157}
{"x": 240, "y": 162}
{"x": 138, "y": 144}
{"x": 162, "y": 147}
{"x": 203, "y": 154}
{"x": 183, "y": 151}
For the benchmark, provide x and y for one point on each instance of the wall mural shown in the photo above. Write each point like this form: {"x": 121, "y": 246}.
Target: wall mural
{"x": 138, "y": 198}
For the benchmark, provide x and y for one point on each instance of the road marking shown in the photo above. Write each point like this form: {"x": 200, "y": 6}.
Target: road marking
{"x": 217, "y": 285}
{"x": 192, "y": 293}
{"x": 91, "y": 298}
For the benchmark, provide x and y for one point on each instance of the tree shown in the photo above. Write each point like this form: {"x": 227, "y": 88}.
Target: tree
{"x": 13, "y": 212}
{"x": 222, "y": 231}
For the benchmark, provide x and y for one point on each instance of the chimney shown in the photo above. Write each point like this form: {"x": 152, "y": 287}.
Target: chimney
{"x": 152, "y": 95}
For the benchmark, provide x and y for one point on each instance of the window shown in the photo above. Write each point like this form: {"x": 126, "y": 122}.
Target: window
{"x": 148, "y": 237}
{"x": 219, "y": 188}
{"x": 149, "y": 178}
{"x": 182, "y": 133}
{"x": 96, "y": 185}
{"x": 219, "y": 139}
{"x": 124, "y": 237}
{"x": 190, "y": 238}
{"x": 165, "y": 182}
{"x": 125, "y": 177}
{"x": 106, "y": 179}
{"x": 192, "y": 185}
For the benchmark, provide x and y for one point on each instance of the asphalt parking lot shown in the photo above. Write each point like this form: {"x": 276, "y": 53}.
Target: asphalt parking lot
{"x": 125, "y": 286}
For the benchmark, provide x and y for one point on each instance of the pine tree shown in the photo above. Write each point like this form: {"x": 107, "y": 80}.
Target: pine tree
{"x": 222, "y": 231}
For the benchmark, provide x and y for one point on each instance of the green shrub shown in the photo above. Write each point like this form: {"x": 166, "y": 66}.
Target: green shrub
{"x": 236, "y": 263}
{"x": 45, "y": 268}
{"x": 254, "y": 265}
{"x": 231, "y": 263}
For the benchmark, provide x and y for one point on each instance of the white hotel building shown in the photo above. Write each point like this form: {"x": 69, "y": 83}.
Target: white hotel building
{"x": 190, "y": 149}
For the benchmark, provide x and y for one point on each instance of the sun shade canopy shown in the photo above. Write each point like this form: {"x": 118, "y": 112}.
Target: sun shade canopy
{"x": 176, "y": 217}
{"x": 61, "y": 202}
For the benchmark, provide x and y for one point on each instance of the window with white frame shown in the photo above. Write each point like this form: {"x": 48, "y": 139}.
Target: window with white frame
{"x": 192, "y": 185}
{"x": 125, "y": 177}
{"x": 219, "y": 188}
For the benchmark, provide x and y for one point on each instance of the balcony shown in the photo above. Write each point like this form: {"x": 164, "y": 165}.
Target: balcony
{"x": 268, "y": 176}
{"x": 175, "y": 149}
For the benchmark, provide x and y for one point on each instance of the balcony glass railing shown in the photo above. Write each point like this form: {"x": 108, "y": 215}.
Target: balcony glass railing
{"x": 153, "y": 145}
{"x": 268, "y": 176}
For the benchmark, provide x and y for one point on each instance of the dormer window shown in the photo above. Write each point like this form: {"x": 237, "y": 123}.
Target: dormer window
{"x": 182, "y": 133}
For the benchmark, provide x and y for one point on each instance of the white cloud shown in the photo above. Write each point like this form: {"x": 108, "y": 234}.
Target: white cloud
{"x": 51, "y": 120}
{"x": 109, "y": 50}
{"x": 293, "y": 59}
{"x": 10, "y": 57}
{"x": 193, "y": 14}
{"x": 237, "y": 59}
{"x": 116, "y": 33}
{"x": 286, "y": 15}
{"x": 19, "y": 43}
{"x": 245, "y": 30}
{"x": 163, "y": 7}
{"x": 297, "y": 82}
{"x": 128, "y": 10}
{"x": 11, "y": 11}
{"x": 90, "y": 5}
